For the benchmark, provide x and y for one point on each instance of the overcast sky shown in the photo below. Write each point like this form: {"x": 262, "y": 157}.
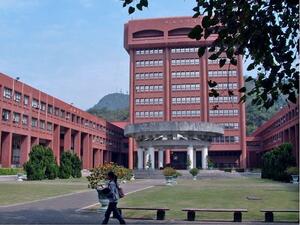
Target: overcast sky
{"x": 72, "y": 49}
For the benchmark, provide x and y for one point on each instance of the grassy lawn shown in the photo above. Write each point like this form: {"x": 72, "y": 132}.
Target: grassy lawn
{"x": 217, "y": 193}
{"x": 17, "y": 192}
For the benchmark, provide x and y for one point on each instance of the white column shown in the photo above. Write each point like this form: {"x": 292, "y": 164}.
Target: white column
{"x": 152, "y": 157}
{"x": 195, "y": 158}
{"x": 146, "y": 158}
{"x": 160, "y": 158}
{"x": 204, "y": 157}
{"x": 190, "y": 151}
{"x": 140, "y": 158}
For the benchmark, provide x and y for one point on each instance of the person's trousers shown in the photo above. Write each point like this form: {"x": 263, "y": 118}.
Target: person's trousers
{"x": 112, "y": 207}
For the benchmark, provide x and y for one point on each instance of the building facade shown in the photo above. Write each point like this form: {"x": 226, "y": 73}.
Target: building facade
{"x": 31, "y": 117}
{"x": 169, "y": 82}
{"x": 282, "y": 127}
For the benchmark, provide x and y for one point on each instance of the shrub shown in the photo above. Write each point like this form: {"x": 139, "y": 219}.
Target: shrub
{"x": 76, "y": 166}
{"x": 10, "y": 171}
{"x": 169, "y": 171}
{"x": 194, "y": 171}
{"x": 227, "y": 170}
{"x": 65, "y": 169}
{"x": 99, "y": 174}
{"x": 292, "y": 171}
{"x": 275, "y": 163}
{"x": 51, "y": 171}
{"x": 240, "y": 170}
{"x": 210, "y": 163}
{"x": 41, "y": 164}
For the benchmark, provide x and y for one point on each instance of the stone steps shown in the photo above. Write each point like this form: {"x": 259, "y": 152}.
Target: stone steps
{"x": 158, "y": 174}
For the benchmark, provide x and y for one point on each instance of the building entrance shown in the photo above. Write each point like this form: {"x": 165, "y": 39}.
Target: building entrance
{"x": 179, "y": 160}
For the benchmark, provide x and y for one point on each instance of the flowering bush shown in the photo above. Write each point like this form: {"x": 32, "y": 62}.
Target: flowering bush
{"x": 99, "y": 174}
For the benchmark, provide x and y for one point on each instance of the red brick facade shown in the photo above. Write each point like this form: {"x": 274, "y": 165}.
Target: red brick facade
{"x": 31, "y": 117}
{"x": 168, "y": 82}
{"x": 282, "y": 127}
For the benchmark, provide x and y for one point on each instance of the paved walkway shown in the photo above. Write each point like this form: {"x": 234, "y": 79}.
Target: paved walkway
{"x": 64, "y": 210}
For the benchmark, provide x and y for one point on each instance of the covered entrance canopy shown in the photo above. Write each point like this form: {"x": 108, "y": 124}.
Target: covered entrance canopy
{"x": 159, "y": 136}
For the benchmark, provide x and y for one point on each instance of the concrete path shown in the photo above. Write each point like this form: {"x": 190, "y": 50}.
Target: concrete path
{"x": 64, "y": 210}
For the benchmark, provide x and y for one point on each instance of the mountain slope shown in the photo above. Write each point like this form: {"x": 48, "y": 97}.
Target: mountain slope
{"x": 113, "y": 101}
{"x": 112, "y": 107}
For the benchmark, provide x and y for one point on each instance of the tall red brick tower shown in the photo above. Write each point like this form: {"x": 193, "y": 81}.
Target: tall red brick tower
{"x": 168, "y": 82}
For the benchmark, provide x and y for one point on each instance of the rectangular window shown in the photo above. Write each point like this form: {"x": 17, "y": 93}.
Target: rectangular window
{"x": 7, "y": 93}
{"x": 5, "y": 115}
{"x": 16, "y": 117}
{"x": 26, "y": 100}
{"x": 25, "y": 120}
{"x": 43, "y": 106}
{"x": 34, "y": 122}
{"x": 35, "y": 103}
{"x": 42, "y": 124}
{"x": 17, "y": 97}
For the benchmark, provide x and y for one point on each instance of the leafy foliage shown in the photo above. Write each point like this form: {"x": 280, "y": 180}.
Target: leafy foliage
{"x": 292, "y": 171}
{"x": 111, "y": 115}
{"x": 70, "y": 165}
{"x": 169, "y": 171}
{"x": 99, "y": 174}
{"x": 275, "y": 163}
{"x": 257, "y": 115}
{"x": 41, "y": 164}
{"x": 194, "y": 171}
{"x": 10, "y": 171}
{"x": 266, "y": 32}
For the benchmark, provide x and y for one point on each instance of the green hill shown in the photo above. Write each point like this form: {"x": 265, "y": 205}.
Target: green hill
{"x": 112, "y": 107}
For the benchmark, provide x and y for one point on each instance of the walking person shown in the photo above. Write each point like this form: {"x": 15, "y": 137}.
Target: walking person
{"x": 113, "y": 197}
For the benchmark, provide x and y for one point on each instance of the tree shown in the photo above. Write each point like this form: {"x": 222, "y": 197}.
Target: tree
{"x": 267, "y": 32}
{"x": 70, "y": 165}
{"x": 41, "y": 164}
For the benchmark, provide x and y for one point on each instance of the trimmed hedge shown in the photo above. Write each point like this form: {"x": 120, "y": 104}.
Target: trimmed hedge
{"x": 10, "y": 171}
{"x": 275, "y": 163}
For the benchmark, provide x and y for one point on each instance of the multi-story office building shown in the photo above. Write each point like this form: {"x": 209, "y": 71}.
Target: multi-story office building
{"x": 281, "y": 128}
{"x": 169, "y": 82}
{"x": 31, "y": 117}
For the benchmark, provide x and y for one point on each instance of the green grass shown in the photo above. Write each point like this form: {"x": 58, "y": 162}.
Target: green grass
{"x": 217, "y": 193}
{"x": 18, "y": 192}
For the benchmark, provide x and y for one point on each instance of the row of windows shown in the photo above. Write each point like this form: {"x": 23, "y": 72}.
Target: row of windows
{"x": 216, "y": 61}
{"x": 149, "y": 101}
{"x": 146, "y": 63}
{"x": 17, "y": 118}
{"x": 146, "y": 88}
{"x": 226, "y": 139}
{"x": 222, "y": 73}
{"x": 185, "y": 87}
{"x": 282, "y": 120}
{"x": 229, "y": 125}
{"x": 185, "y": 113}
{"x": 149, "y": 51}
{"x": 226, "y": 86}
{"x": 185, "y": 74}
{"x": 223, "y": 99}
{"x": 50, "y": 109}
{"x": 184, "y": 50}
{"x": 224, "y": 112}
{"x": 149, "y": 114}
{"x": 185, "y": 62}
{"x": 142, "y": 76}
{"x": 186, "y": 100}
